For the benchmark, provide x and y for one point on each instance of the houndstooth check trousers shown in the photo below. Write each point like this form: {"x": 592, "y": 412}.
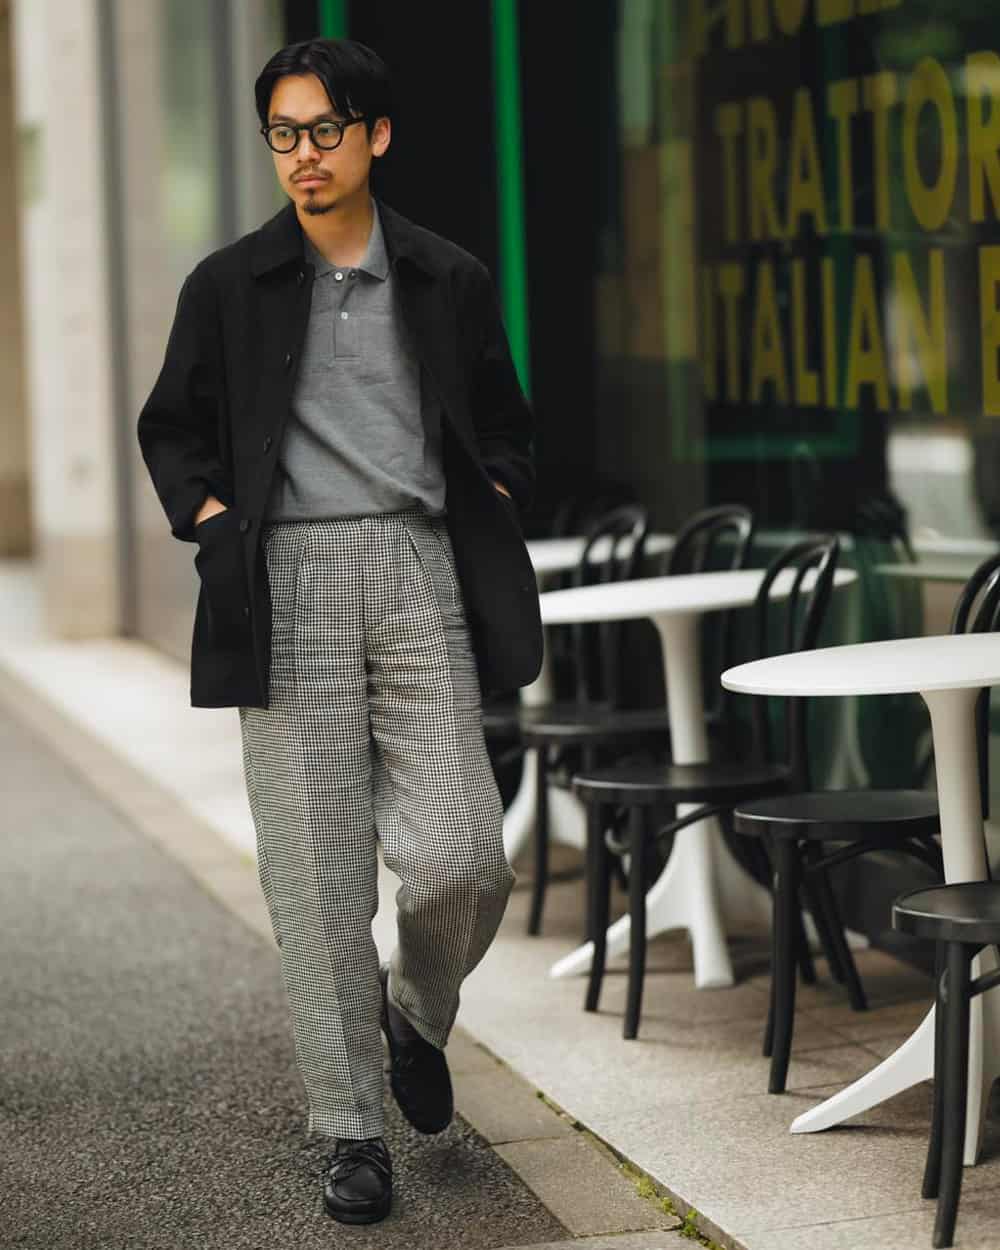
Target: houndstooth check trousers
{"x": 374, "y": 730}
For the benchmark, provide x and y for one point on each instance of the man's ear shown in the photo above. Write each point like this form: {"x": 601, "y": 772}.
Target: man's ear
{"x": 381, "y": 136}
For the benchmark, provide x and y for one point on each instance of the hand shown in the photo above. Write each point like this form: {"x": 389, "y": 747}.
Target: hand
{"x": 209, "y": 507}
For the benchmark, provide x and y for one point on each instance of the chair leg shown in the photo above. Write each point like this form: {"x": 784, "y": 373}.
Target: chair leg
{"x": 541, "y": 842}
{"x": 807, "y": 969}
{"x": 855, "y": 990}
{"x": 637, "y": 918}
{"x": 932, "y": 1168}
{"x": 956, "y": 1080}
{"x": 768, "y": 1046}
{"x": 820, "y": 914}
{"x": 786, "y": 892}
{"x": 600, "y": 904}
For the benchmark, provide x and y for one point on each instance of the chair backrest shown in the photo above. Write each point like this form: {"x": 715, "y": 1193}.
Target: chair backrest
{"x": 804, "y": 609}
{"x": 613, "y": 549}
{"x": 696, "y": 542}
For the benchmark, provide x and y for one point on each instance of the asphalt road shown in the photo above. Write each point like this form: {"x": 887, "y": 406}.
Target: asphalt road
{"x": 149, "y": 1098}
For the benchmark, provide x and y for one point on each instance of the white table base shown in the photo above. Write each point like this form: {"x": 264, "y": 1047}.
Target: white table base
{"x": 953, "y": 724}
{"x": 567, "y": 819}
{"x": 702, "y": 889}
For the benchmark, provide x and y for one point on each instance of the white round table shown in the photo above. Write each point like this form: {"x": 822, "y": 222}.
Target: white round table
{"x": 948, "y": 671}
{"x": 557, "y": 555}
{"x": 702, "y": 887}
{"x": 566, "y": 816}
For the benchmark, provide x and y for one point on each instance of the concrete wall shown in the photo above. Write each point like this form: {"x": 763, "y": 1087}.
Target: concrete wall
{"x": 15, "y": 506}
{"x": 65, "y": 307}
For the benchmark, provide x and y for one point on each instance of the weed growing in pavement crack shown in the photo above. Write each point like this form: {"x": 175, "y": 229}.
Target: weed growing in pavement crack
{"x": 688, "y": 1226}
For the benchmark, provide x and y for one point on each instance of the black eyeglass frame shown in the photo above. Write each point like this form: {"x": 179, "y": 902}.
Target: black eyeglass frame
{"x": 311, "y": 127}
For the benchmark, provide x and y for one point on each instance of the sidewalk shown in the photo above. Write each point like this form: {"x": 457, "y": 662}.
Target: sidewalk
{"x": 685, "y": 1103}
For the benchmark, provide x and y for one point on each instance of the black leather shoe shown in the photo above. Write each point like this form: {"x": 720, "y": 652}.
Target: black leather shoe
{"x": 418, "y": 1071}
{"x": 357, "y": 1187}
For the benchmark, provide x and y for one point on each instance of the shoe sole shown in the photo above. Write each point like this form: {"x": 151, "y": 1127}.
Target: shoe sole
{"x": 358, "y": 1217}
{"x": 421, "y": 1128}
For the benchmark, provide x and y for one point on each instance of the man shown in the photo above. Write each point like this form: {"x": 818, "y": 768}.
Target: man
{"x": 339, "y": 427}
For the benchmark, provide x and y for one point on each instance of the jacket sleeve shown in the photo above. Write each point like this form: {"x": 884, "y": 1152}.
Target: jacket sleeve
{"x": 503, "y": 420}
{"x": 178, "y": 425}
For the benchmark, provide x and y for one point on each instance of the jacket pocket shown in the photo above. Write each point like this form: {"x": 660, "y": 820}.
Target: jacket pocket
{"x": 219, "y": 561}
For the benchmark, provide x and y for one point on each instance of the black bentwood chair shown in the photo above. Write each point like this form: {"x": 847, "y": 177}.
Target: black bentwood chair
{"x": 593, "y": 720}
{"x": 796, "y": 827}
{"x": 716, "y": 786}
{"x": 961, "y": 920}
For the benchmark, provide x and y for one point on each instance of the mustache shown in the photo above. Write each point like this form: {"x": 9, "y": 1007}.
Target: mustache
{"x": 308, "y": 173}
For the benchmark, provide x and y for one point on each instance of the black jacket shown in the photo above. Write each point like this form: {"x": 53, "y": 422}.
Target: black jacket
{"x": 214, "y": 420}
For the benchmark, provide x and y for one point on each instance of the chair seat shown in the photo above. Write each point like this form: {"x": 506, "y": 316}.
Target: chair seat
{"x": 966, "y": 912}
{"x": 588, "y": 722}
{"x": 831, "y": 815}
{"x": 711, "y": 782}
{"x": 502, "y": 720}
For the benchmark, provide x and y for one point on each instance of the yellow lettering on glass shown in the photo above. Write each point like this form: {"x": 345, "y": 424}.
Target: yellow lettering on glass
{"x": 762, "y": 145}
{"x": 982, "y": 82}
{"x": 731, "y": 290}
{"x": 829, "y": 332}
{"x": 709, "y": 342}
{"x": 880, "y": 94}
{"x": 929, "y": 86}
{"x": 989, "y": 328}
{"x": 920, "y": 334}
{"x": 806, "y": 379}
{"x": 789, "y": 14}
{"x": 842, "y": 105}
{"x": 729, "y": 126}
{"x": 767, "y": 352}
{"x": 805, "y": 173}
{"x": 830, "y": 12}
{"x": 865, "y": 350}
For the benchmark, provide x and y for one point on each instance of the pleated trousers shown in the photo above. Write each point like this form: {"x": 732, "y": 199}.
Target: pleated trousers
{"x": 373, "y": 733}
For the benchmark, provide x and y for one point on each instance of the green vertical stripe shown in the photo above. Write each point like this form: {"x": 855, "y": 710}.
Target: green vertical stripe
{"x": 510, "y": 184}
{"x": 333, "y": 19}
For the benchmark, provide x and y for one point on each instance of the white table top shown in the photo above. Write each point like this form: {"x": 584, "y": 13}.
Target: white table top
{"x": 681, "y": 594}
{"x": 895, "y": 666}
{"x": 555, "y": 555}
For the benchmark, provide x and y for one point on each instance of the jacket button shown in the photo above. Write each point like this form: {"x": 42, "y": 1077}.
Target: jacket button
{"x": 246, "y": 609}
{"x": 288, "y": 360}
{"x": 300, "y": 277}
{"x": 244, "y": 525}
{"x": 267, "y": 441}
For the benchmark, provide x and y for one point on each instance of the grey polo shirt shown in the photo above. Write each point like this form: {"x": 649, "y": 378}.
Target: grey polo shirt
{"x": 356, "y": 441}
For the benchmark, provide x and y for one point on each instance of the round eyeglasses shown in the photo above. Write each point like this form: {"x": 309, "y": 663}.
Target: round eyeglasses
{"x": 284, "y": 136}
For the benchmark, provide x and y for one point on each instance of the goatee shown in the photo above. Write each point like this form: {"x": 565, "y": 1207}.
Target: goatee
{"x": 314, "y": 210}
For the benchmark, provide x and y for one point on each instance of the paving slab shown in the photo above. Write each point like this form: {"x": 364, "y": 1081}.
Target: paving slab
{"x": 624, "y": 1241}
{"x": 977, "y": 1228}
{"x": 502, "y": 1108}
{"x": 577, "y": 1185}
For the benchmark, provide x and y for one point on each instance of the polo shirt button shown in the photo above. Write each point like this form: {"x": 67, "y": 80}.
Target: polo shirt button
{"x": 288, "y": 360}
{"x": 339, "y": 277}
{"x": 343, "y": 316}
{"x": 244, "y": 525}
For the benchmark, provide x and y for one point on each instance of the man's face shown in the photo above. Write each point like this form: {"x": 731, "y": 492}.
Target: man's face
{"x": 317, "y": 179}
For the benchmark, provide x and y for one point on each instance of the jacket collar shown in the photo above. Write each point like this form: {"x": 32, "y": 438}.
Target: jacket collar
{"x": 279, "y": 241}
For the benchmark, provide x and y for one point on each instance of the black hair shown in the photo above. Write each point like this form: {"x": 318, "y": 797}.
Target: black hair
{"x": 356, "y": 78}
